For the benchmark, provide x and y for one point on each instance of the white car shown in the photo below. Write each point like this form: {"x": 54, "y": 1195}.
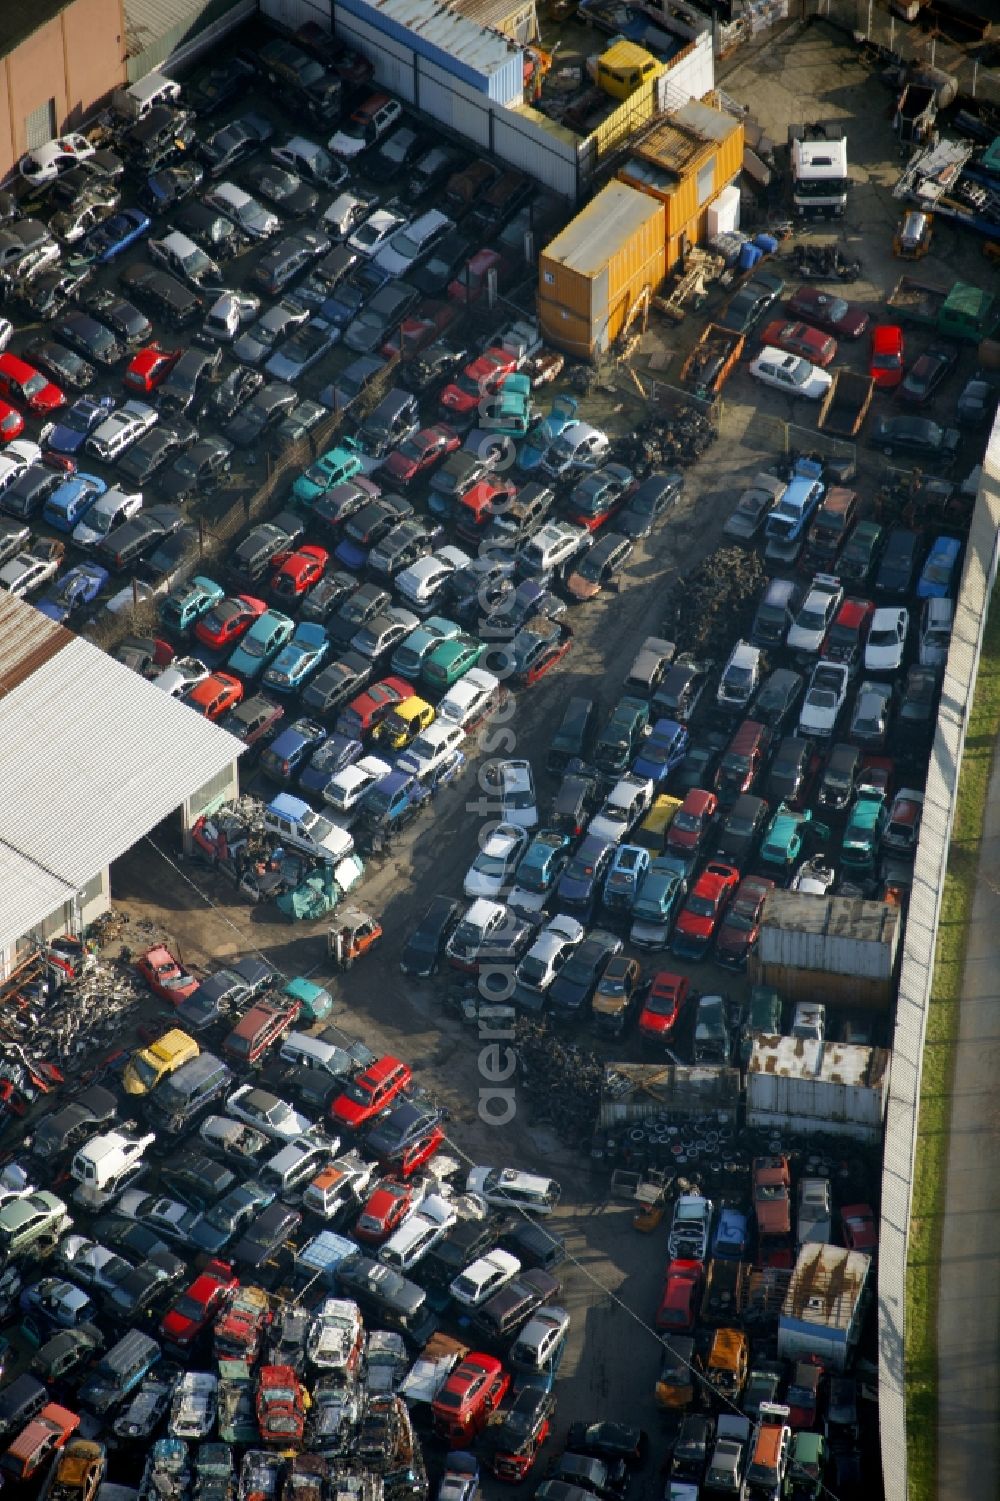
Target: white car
{"x": 548, "y": 953}
{"x": 15, "y": 458}
{"x": 243, "y": 210}
{"x": 814, "y": 877}
{"x": 25, "y": 573}
{"x": 120, "y": 430}
{"x": 229, "y": 315}
{"x": 580, "y": 445}
{"x": 690, "y": 1228}
{"x": 107, "y": 512}
{"x": 825, "y": 698}
{"x": 307, "y": 159}
{"x": 268, "y": 1113}
{"x": 137, "y": 592}
{"x": 419, "y": 1233}
{"x": 179, "y": 255}
{"x": 431, "y": 749}
{"x": 470, "y": 698}
{"x": 628, "y": 801}
{"x": 791, "y": 373}
{"x": 496, "y": 862}
{"x": 410, "y": 245}
{"x": 510, "y": 1188}
{"x": 420, "y": 583}
{"x": 344, "y": 791}
{"x": 370, "y": 236}
{"x": 517, "y": 794}
{"x": 816, "y": 614}
{"x": 73, "y": 223}
{"x": 346, "y": 212}
{"x": 90, "y": 1263}
{"x": 486, "y": 1276}
{"x": 354, "y": 137}
{"x": 553, "y": 545}
{"x": 387, "y": 630}
{"x": 336, "y": 1336}
{"x": 887, "y": 640}
{"x": 192, "y": 1411}
{"x": 740, "y": 677}
{"x": 182, "y": 674}
{"x": 47, "y": 162}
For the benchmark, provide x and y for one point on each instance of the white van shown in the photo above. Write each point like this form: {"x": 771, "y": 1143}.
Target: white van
{"x": 301, "y": 827}
{"x": 507, "y": 1187}
{"x": 135, "y": 102}
{"x": 107, "y": 1165}
{"x": 936, "y": 619}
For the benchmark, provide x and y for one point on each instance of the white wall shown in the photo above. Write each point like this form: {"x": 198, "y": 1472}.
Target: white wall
{"x": 690, "y": 78}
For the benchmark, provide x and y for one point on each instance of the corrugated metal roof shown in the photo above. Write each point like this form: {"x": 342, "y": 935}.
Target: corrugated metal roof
{"x": 512, "y": 17}
{"x": 826, "y": 1285}
{"x": 146, "y": 21}
{"x": 806, "y": 1058}
{"x": 845, "y": 916}
{"x": 25, "y": 643}
{"x": 600, "y": 230}
{"x": 464, "y": 40}
{"x": 92, "y": 757}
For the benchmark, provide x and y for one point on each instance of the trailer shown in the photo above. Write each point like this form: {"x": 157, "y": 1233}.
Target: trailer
{"x": 711, "y": 361}
{"x": 916, "y": 112}
{"x": 916, "y": 302}
{"x": 845, "y": 405}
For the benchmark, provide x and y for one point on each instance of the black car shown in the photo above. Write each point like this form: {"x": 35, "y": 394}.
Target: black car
{"x": 283, "y": 189}
{"x": 231, "y": 144}
{"x": 376, "y": 323}
{"x": 265, "y": 1236}
{"x": 747, "y": 306}
{"x": 329, "y": 594}
{"x": 690, "y": 1457}
{"x": 304, "y": 416}
{"x": 64, "y": 366}
{"x": 351, "y": 295}
{"x": 74, "y": 1122}
{"x": 917, "y": 435}
{"x": 170, "y": 186}
{"x": 30, "y": 491}
{"x": 152, "y": 451}
{"x": 48, "y": 294}
{"x": 224, "y": 84}
{"x": 790, "y": 770}
{"x": 741, "y": 831}
{"x": 434, "y": 365}
{"x": 231, "y": 394}
{"x": 195, "y": 1178}
{"x": 609, "y": 1441}
{"x": 977, "y": 403}
{"x": 202, "y": 468}
{"x": 253, "y": 721}
{"x": 180, "y": 390}
{"x": 211, "y": 231}
{"x": 271, "y": 404}
{"x": 89, "y": 338}
{"x": 404, "y": 1130}
{"x": 338, "y": 683}
{"x": 386, "y": 1296}
{"x": 464, "y": 1243}
{"x": 165, "y": 560}
{"x": 576, "y": 982}
{"x": 143, "y": 1286}
{"x": 678, "y": 695}
{"x": 918, "y": 708}
{"x": 778, "y": 698}
{"x": 397, "y": 151}
{"x": 422, "y": 950}
{"x": 898, "y": 563}
{"x": 655, "y": 496}
{"x": 338, "y": 504}
{"x": 327, "y": 275}
{"x": 364, "y": 604}
{"x": 166, "y": 297}
{"x": 926, "y": 374}
{"x": 128, "y": 1237}
{"x": 450, "y": 253}
{"x": 606, "y": 1479}
{"x": 131, "y": 327}
{"x": 533, "y": 1244}
{"x": 840, "y": 776}
{"x": 252, "y": 558}
{"x": 376, "y": 520}
{"x": 700, "y": 761}
{"x": 408, "y": 541}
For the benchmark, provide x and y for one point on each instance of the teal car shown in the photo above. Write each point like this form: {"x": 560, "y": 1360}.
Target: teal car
{"x": 787, "y": 840}
{"x": 621, "y": 885}
{"x": 412, "y": 651}
{"x": 315, "y": 1000}
{"x": 451, "y": 661}
{"x": 657, "y": 903}
{"x": 188, "y": 602}
{"x": 334, "y": 467}
{"x": 865, "y": 826}
{"x": 261, "y": 644}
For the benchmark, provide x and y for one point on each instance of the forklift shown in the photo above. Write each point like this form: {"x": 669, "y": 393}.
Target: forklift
{"x": 351, "y": 936}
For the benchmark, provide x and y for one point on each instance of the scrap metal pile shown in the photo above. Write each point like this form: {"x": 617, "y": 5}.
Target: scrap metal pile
{"x": 669, "y": 439}
{"x": 717, "y": 599}
{"x": 561, "y": 1081}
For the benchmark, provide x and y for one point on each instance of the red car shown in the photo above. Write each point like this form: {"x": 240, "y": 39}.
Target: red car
{"x": 295, "y": 573}
{"x": 11, "y": 422}
{"x": 148, "y": 368}
{"x": 664, "y": 1004}
{"x": 192, "y": 1312}
{"x": 384, "y": 1212}
{"x": 215, "y": 695}
{"x": 678, "y": 1308}
{"x": 471, "y": 1393}
{"x": 471, "y": 282}
{"x": 857, "y": 1222}
{"x": 239, "y": 1328}
{"x": 370, "y": 1092}
{"x": 226, "y": 622}
{"x": 798, "y": 338}
{"x": 845, "y": 640}
{"x": 740, "y": 928}
{"x": 828, "y": 311}
{"x": 704, "y": 909}
{"x": 480, "y": 377}
{"x": 420, "y": 453}
{"x": 27, "y": 386}
{"x": 693, "y": 822}
{"x": 281, "y": 1406}
{"x": 164, "y": 975}
{"x": 886, "y": 366}
{"x": 369, "y": 708}
{"x": 416, "y": 332}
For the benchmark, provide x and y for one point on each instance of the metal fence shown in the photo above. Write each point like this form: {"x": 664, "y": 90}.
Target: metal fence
{"x": 874, "y": 21}
{"x": 917, "y": 970}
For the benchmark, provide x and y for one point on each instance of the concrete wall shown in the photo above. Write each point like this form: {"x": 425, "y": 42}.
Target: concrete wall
{"x": 917, "y": 970}
{"x": 76, "y": 59}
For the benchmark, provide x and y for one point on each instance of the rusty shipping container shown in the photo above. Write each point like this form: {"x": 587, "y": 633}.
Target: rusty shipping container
{"x": 794, "y": 984}
{"x": 591, "y": 275}
{"x": 801, "y": 1085}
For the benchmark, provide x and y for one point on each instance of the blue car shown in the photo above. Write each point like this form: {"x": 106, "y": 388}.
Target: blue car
{"x": 731, "y": 1235}
{"x": 562, "y": 413}
{"x": 327, "y": 760}
{"x": 114, "y": 235}
{"x": 628, "y": 867}
{"x": 289, "y": 750}
{"x": 302, "y": 350}
{"x": 68, "y": 434}
{"x": 663, "y": 749}
{"x": 297, "y": 661}
{"x": 70, "y": 502}
{"x": 581, "y": 880}
{"x": 189, "y": 602}
{"x": 937, "y": 577}
{"x": 80, "y": 586}
{"x": 261, "y": 644}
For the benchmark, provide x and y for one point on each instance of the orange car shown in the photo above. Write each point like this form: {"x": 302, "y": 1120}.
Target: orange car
{"x": 215, "y": 695}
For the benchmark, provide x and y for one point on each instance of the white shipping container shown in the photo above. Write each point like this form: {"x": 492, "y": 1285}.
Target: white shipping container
{"x": 835, "y": 935}
{"x": 807, "y": 1086}
{"x": 723, "y": 216}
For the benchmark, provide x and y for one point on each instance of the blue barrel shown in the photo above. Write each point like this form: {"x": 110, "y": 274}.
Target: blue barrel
{"x": 767, "y": 243}
{"x": 749, "y": 256}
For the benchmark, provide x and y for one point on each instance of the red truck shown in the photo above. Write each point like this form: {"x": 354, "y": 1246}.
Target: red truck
{"x": 772, "y": 1203}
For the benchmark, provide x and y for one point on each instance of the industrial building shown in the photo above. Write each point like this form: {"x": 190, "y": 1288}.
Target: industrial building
{"x": 93, "y": 759}
{"x": 825, "y": 1305}
{"x": 803, "y": 1085}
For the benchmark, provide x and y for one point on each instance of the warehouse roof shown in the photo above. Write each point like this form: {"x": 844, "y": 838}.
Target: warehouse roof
{"x": 601, "y": 229}
{"x": 92, "y": 757}
{"x": 845, "y": 916}
{"x": 826, "y": 1285}
{"x": 461, "y": 39}
{"x": 20, "y": 18}
{"x": 806, "y": 1058}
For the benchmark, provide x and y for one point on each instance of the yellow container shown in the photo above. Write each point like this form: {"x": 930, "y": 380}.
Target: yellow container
{"x": 148, "y": 1066}
{"x": 624, "y": 67}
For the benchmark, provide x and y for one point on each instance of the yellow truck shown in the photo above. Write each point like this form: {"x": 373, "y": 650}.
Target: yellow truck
{"x": 148, "y": 1066}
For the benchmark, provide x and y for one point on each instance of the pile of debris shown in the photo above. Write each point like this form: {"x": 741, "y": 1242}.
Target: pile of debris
{"x": 560, "y": 1080}
{"x": 672, "y": 438}
{"x": 717, "y": 598}
{"x": 823, "y": 263}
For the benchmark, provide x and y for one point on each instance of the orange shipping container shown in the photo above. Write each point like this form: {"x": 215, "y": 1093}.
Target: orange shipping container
{"x": 591, "y": 274}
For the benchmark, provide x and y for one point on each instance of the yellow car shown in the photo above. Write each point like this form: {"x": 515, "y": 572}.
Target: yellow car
{"x": 408, "y": 719}
{"x": 148, "y": 1066}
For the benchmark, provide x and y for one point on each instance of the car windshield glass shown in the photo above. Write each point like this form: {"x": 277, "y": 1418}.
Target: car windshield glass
{"x": 34, "y": 385}
{"x": 887, "y": 637}
{"x": 701, "y": 906}
{"x": 145, "y": 1071}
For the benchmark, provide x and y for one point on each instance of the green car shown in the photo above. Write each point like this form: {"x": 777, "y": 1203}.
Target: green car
{"x": 860, "y": 552}
{"x": 451, "y": 661}
{"x": 859, "y": 847}
{"x": 334, "y": 467}
{"x": 188, "y": 602}
{"x": 315, "y": 1000}
{"x": 786, "y": 840}
{"x": 805, "y": 1472}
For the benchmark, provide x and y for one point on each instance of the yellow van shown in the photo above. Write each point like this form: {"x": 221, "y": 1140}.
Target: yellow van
{"x": 624, "y": 67}
{"x": 148, "y": 1066}
{"x": 407, "y": 720}
{"x": 652, "y": 832}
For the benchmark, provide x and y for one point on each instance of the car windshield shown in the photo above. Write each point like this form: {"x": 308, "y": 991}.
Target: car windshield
{"x": 146, "y": 1072}
{"x": 701, "y": 906}
{"x": 33, "y": 385}
{"x": 886, "y": 637}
